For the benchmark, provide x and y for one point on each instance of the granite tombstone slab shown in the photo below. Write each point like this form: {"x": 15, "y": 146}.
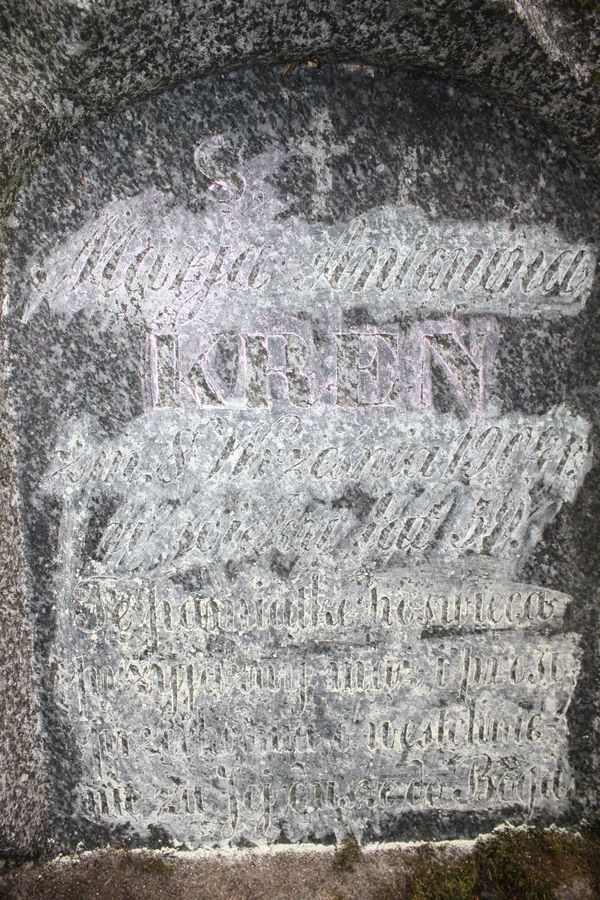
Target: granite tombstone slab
{"x": 301, "y": 370}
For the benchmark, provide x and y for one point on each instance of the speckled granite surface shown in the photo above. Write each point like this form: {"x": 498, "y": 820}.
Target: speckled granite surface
{"x": 285, "y": 180}
{"x": 63, "y": 62}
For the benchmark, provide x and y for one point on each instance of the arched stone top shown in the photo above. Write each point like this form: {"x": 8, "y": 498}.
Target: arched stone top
{"x": 65, "y": 62}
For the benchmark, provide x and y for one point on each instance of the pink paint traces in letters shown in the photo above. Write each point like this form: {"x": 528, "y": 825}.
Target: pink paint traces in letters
{"x": 355, "y": 369}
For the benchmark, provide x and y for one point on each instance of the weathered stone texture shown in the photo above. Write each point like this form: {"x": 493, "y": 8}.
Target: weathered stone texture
{"x": 301, "y": 379}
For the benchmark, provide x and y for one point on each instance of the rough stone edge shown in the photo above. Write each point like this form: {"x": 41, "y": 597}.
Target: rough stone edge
{"x": 23, "y": 778}
{"x": 89, "y": 65}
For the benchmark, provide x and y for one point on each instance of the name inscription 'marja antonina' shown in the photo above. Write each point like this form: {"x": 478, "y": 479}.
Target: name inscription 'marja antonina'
{"x": 356, "y": 261}
{"x": 169, "y": 266}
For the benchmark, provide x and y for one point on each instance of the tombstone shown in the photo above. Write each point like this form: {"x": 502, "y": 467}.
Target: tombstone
{"x": 303, "y": 375}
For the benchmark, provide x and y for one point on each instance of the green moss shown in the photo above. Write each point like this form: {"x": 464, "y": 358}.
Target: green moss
{"x": 347, "y": 855}
{"x": 511, "y": 864}
{"x": 438, "y": 876}
{"x": 531, "y": 863}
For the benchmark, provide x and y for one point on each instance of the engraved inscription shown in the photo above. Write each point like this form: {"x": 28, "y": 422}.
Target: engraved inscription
{"x": 289, "y": 579}
{"x": 419, "y": 487}
{"x": 210, "y": 644}
{"x": 165, "y": 266}
{"x": 442, "y": 695}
